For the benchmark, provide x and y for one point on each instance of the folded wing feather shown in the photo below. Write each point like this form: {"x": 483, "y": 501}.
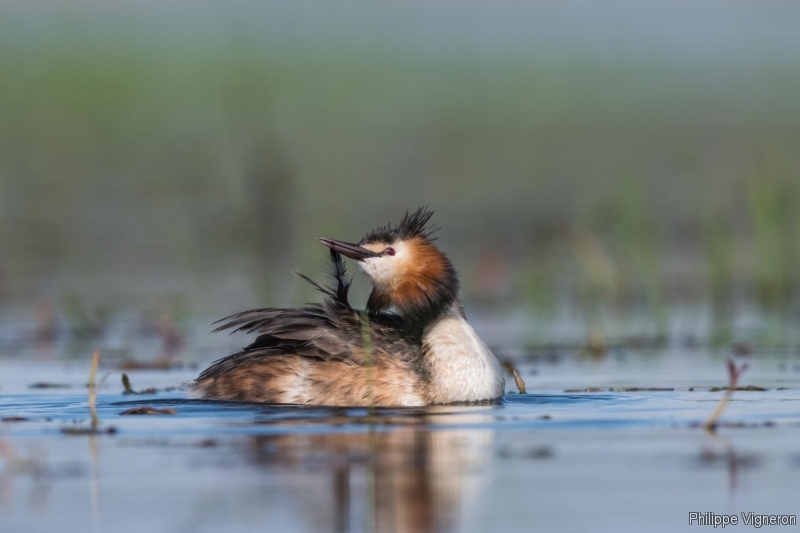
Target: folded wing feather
{"x": 332, "y": 330}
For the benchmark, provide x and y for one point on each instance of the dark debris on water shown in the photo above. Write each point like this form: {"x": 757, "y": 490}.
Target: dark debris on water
{"x": 126, "y": 383}
{"x": 110, "y": 430}
{"x": 147, "y": 410}
{"x": 157, "y": 364}
{"x": 46, "y": 385}
{"x": 745, "y": 388}
{"x": 622, "y": 389}
{"x": 737, "y": 425}
{"x": 729, "y": 458}
{"x": 752, "y": 388}
{"x": 535, "y": 453}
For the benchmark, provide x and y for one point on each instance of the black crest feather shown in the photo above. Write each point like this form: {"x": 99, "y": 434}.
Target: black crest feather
{"x": 341, "y": 282}
{"x": 411, "y": 225}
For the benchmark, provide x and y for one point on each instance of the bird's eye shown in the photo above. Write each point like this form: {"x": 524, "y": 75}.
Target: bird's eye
{"x": 389, "y": 251}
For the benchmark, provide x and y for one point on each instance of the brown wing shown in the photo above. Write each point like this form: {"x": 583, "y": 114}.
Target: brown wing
{"x": 332, "y": 330}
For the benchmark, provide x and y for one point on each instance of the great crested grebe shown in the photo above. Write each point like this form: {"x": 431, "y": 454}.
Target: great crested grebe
{"x": 412, "y": 346}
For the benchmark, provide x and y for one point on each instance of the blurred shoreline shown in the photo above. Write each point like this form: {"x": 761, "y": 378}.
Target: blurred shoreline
{"x": 629, "y": 159}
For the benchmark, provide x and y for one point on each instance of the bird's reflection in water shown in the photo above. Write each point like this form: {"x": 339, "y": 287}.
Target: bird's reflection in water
{"x": 386, "y": 473}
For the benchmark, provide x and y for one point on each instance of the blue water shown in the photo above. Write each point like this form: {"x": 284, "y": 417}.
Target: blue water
{"x": 551, "y": 460}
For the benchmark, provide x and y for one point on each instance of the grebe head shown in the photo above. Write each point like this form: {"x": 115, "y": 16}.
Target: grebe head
{"x": 408, "y": 272}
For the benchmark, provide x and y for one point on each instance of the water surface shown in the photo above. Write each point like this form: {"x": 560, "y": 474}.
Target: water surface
{"x": 611, "y": 459}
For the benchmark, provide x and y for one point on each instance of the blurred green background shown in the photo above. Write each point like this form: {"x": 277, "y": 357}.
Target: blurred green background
{"x": 618, "y": 158}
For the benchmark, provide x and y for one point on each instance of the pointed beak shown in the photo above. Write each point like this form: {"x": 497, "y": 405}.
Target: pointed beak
{"x": 353, "y": 251}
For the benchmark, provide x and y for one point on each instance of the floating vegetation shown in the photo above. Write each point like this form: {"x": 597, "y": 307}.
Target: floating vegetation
{"x": 127, "y": 389}
{"x": 745, "y": 388}
{"x": 47, "y": 385}
{"x": 623, "y": 389}
{"x": 110, "y": 430}
{"x": 147, "y": 410}
{"x": 641, "y": 389}
{"x": 739, "y": 425}
{"x": 126, "y": 383}
{"x": 161, "y": 363}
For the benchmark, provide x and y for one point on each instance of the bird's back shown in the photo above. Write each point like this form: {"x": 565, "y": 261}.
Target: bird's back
{"x": 320, "y": 354}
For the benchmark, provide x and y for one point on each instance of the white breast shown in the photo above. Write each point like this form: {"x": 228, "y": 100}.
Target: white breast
{"x": 461, "y": 366}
